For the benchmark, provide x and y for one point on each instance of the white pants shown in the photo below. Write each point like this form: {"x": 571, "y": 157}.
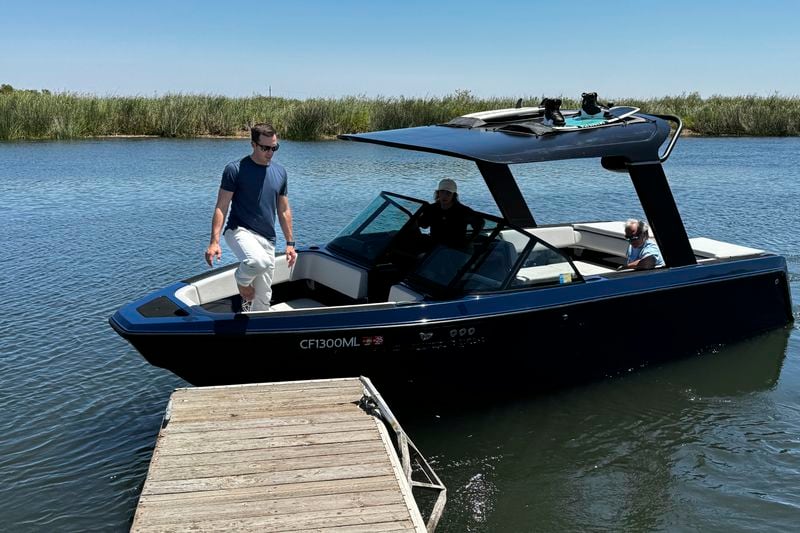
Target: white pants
{"x": 257, "y": 264}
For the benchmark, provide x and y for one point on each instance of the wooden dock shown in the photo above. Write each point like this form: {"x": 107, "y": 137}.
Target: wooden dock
{"x": 292, "y": 456}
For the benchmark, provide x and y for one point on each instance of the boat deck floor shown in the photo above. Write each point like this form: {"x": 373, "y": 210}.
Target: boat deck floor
{"x": 292, "y": 456}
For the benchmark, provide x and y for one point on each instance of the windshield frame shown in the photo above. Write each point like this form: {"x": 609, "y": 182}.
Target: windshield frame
{"x": 472, "y": 263}
{"x": 354, "y": 237}
{"x": 492, "y": 261}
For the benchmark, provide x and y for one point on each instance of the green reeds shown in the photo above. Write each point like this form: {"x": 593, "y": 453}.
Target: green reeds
{"x": 44, "y": 115}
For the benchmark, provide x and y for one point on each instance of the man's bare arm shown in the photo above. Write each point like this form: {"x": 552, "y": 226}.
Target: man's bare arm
{"x": 217, "y": 220}
{"x": 285, "y": 220}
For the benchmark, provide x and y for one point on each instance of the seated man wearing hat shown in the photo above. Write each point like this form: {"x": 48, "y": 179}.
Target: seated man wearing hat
{"x": 448, "y": 218}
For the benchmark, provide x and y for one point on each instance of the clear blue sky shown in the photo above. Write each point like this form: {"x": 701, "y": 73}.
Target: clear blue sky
{"x": 414, "y": 48}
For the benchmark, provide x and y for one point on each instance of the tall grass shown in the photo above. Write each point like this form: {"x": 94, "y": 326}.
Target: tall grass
{"x": 35, "y": 115}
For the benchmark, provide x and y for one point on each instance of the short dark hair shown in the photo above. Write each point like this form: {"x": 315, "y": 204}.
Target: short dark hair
{"x": 262, "y": 128}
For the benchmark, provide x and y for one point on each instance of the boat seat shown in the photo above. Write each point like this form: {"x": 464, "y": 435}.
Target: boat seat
{"x": 591, "y": 269}
{"x": 401, "y": 293}
{"x": 495, "y": 267}
{"x": 709, "y": 248}
{"x": 502, "y": 256}
{"x": 553, "y": 272}
{"x": 605, "y": 237}
{"x": 557, "y": 236}
{"x": 611, "y": 229}
{"x": 331, "y": 272}
{"x": 209, "y": 289}
{"x": 334, "y": 273}
{"x": 542, "y": 273}
{"x": 519, "y": 240}
{"x": 299, "y": 303}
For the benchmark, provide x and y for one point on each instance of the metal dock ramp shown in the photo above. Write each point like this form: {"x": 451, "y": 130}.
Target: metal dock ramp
{"x": 291, "y": 456}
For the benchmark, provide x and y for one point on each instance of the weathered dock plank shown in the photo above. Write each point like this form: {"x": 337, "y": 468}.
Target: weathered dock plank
{"x": 314, "y": 488}
{"x": 296, "y": 456}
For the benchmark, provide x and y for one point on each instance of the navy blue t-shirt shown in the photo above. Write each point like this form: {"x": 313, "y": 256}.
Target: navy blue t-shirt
{"x": 255, "y": 191}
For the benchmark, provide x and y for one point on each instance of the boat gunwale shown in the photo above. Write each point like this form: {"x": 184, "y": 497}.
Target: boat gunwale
{"x": 513, "y": 309}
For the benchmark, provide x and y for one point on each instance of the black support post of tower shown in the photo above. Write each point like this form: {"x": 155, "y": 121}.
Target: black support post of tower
{"x": 662, "y": 214}
{"x": 506, "y": 194}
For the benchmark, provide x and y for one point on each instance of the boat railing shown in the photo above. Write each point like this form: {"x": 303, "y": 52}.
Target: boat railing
{"x": 412, "y": 461}
{"x": 678, "y": 128}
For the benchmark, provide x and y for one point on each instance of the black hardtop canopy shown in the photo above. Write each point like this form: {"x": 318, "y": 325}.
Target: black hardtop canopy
{"x": 637, "y": 139}
{"x": 631, "y": 144}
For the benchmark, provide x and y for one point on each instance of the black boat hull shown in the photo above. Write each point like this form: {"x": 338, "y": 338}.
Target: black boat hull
{"x": 544, "y": 348}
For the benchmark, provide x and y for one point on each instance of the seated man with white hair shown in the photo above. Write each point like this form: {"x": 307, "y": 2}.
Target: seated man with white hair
{"x": 642, "y": 253}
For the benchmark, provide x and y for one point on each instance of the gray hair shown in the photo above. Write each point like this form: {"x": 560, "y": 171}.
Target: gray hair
{"x": 644, "y": 230}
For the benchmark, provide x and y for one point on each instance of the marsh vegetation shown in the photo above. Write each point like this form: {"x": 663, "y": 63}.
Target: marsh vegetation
{"x": 26, "y": 114}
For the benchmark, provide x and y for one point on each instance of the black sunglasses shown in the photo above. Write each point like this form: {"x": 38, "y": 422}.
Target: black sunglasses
{"x": 631, "y": 238}
{"x": 265, "y": 148}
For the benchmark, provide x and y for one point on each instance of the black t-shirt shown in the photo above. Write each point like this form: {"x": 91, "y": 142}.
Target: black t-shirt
{"x": 449, "y": 226}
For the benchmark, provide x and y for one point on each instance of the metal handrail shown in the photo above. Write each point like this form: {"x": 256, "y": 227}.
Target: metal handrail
{"x": 406, "y": 450}
{"x": 678, "y": 128}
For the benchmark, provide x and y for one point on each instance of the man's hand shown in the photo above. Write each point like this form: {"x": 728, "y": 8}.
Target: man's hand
{"x": 291, "y": 256}
{"x": 213, "y": 252}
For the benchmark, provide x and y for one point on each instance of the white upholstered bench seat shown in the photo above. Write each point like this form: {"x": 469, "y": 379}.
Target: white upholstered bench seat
{"x": 710, "y": 248}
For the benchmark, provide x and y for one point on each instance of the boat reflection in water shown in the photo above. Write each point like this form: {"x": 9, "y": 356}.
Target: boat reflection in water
{"x": 698, "y": 443}
{"x": 722, "y": 372}
{"x": 748, "y": 366}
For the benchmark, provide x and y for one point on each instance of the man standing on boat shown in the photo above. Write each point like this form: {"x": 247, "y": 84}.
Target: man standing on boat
{"x": 643, "y": 254}
{"x": 448, "y": 218}
{"x": 256, "y": 189}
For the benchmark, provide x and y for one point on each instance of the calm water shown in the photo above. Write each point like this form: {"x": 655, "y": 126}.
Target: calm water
{"x": 708, "y": 443}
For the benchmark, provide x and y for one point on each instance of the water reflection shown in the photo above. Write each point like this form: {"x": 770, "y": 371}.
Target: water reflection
{"x": 636, "y": 452}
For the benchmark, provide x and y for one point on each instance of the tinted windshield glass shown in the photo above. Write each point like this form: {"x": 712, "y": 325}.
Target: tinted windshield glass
{"x": 499, "y": 258}
{"x": 371, "y": 232}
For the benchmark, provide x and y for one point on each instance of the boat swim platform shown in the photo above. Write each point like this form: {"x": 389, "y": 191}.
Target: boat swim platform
{"x": 289, "y": 456}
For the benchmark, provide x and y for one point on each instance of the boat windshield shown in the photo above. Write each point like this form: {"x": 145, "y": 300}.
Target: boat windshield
{"x": 499, "y": 258}
{"x": 372, "y": 231}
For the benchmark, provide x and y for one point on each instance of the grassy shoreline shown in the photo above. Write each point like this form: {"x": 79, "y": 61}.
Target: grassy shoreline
{"x": 26, "y": 115}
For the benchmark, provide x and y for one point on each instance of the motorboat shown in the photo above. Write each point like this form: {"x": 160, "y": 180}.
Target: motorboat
{"x": 543, "y": 303}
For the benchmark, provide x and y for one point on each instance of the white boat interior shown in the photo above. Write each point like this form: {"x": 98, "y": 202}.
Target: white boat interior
{"x": 595, "y": 249}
